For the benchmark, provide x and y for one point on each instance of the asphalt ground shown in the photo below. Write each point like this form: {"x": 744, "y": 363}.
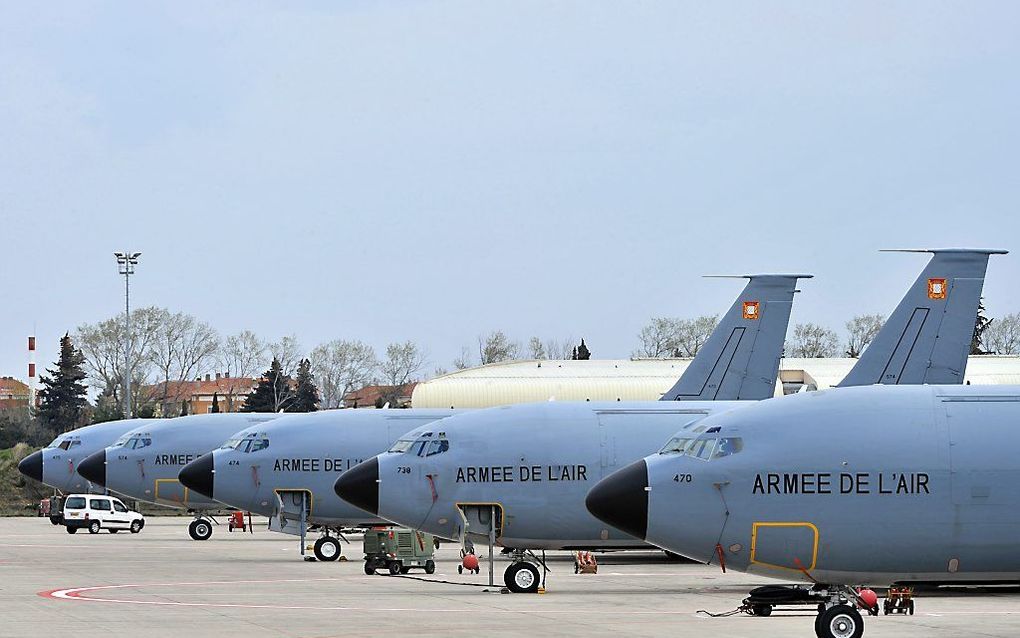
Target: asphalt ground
{"x": 160, "y": 583}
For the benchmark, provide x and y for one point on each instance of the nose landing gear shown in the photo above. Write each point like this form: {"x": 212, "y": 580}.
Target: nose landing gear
{"x": 200, "y": 529}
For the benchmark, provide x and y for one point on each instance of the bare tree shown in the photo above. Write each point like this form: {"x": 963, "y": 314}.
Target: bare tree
{"x": 1002, "y": 336}
{"x": 103, "y": 346}
{"x": 464, "y": 360}
{"x": 659, "y": 338}
{"x": 182, "y": 348}
{"x": 536, "y": 349}
{"x": 403, "y": 362}
{"x": 341, "y": 367}
{"x": 559, "y": 349}
{"x": 497, "y": 347}
{"x": 861, "y": 331}
{"x": 693, "y": 333}
{"x": 813, "y": 341}
{"x": 288, "y": 352}
{"x": 241, "y": 356}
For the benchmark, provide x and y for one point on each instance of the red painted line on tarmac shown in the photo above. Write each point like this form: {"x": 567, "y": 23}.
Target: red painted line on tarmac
{"x": 81, "y": 594}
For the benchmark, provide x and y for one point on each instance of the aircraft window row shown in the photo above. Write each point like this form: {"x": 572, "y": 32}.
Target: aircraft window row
{"x": 425, "y": 444}
{"x": 706, "y": 447}
{"x": 254, "y": 442}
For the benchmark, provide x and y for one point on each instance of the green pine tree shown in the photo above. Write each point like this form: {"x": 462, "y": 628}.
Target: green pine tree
{"x": 273, "y": 393}
{"x": 306, "y": 397}
{"x": 63, "y": 402}
{"x": 582, "y": 353}
{"x": 215, "y": 402}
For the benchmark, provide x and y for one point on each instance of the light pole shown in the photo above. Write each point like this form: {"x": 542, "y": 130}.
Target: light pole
{"x": 126, "y": 263}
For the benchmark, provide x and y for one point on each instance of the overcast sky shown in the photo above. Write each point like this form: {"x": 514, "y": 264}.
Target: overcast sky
{"x": 435, "y": 170}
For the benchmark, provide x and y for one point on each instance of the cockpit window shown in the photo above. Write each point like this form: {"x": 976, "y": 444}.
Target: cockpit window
{"x": 251, "y": 442}
{"x": 67, "y": 444}
{"x": 425, "y": 444}
{"x": 133, "y": 441}
{"x": 707, "y": 446}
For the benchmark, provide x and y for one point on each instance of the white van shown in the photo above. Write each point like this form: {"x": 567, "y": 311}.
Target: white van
{"x": 95, "y": 512}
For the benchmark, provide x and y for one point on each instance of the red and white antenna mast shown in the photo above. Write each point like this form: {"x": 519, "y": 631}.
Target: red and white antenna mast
{"x": 31, "y": 372}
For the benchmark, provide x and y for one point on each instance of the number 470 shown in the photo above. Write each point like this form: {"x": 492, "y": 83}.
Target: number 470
{"x": 682, "y": 478}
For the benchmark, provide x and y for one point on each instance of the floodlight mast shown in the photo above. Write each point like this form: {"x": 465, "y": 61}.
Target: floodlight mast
{"x": 126, "y": 263}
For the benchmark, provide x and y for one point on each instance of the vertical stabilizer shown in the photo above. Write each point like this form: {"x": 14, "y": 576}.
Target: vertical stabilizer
{"x": 740, "y": 360}
{"x": 927, "y": 338}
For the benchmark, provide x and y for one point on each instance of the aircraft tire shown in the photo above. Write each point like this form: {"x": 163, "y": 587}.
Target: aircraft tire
{"x": 839, "y": 621}
{"x": 200, "y": 529}
{"x": 521, "y": 578}
{"x": 430, "y": 567}
{"x": 327, "y": 549}
{"x": 94, "y": 527}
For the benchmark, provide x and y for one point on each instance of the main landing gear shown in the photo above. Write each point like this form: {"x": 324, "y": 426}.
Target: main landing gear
{"x": 838, "y": 606}
{"x": 200, "y": 529}
{"x": 327, "y": 548}
{"x": 522, "y": 576}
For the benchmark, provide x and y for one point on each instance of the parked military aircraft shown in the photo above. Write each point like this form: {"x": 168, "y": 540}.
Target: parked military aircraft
{"x": 520, "y": 449}
{"x": 523, "y": 471}
{"x": 286, "y": 469}
{"x": 56, "y": 465}
{"x": 838, "y": 488}
{"x": 143, "y": 463}
{"x": 292, "y": 480}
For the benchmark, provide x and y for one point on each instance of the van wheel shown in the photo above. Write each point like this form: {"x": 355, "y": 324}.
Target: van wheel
{"x": 327, "y": 548}
{"x": 521, "y": 578}
{"x": 72, "y": 530}
{"x": 200, "y": 529}
{"x": 94, "y": 527}
{"x": 430, "y": 567}
{"x": 136, "y": 526}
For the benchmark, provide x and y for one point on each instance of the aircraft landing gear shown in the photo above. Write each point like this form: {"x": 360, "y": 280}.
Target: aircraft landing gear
{"x": 522, "y": 576}
{"x": 839, "y": 621}
{"x": 327, "y": 549}
{"x": 200, "y": 529}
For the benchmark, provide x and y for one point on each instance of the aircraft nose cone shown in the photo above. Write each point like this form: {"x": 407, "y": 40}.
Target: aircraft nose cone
{"x": 93, "y": 468}
{"x": 31, "y": 465}
{"x": 199, "y": 475}
{"x": 621, "y": 499}
{"x": 359, "y": 486}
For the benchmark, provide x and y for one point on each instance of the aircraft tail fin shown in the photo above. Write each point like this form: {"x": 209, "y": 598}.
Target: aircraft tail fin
{"x": 928, "y": 337}
{"x": 740, "y": 360}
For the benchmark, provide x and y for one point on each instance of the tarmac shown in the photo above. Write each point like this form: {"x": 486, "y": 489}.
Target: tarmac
{"x": 160, "y": 583}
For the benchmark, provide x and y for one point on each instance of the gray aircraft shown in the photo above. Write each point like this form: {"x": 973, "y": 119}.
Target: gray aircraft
{"x": 519, "y": 474}
{"x": 838, "y": 488}
{"x": 286, "y": 469}
{"x": 144, "y": 462}
{"x": 292, "y": 480}
{"x": 56, "y": 464}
